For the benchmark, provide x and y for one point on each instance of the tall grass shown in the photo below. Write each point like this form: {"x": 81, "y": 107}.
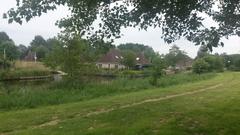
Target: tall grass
{"x": 25, "y": 95}
{"x": 30, "y": 65}
{"x": 25, "y": 69}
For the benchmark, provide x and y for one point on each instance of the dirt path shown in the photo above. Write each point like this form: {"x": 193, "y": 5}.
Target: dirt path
{"x": 102, "y": 111}
{"x": 151, "y": 100}
{"x": 56, "y": 120}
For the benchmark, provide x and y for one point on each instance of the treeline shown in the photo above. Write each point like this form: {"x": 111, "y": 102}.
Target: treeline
{"x": 38, "y": 45}
{"x": 62, "y": 52}
{"x": 207, "y": 62}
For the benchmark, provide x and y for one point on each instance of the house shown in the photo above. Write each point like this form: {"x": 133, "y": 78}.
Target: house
{"x": 141, "y": 61}
{"x": 113, "y": 60}
{"x": 31, "y": 56}
{"x": 184, "y": 64}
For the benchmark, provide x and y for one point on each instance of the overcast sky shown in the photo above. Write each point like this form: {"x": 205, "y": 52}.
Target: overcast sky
{"x": 45, "y": 26}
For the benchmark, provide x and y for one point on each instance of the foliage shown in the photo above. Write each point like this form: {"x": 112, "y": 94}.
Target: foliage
{"x": 138, "y": 48}
{"x": 101, "y": 47}
{"x": 129, "y": 58}
{"x": 4, "y": 37}
{"x": 208, "y": 63}
{"x": 24, "y": 95}
{"x": 200, "y": 66}
{"x": 71, "y": 56}
{"x": 175, "y": 56}
{"x": 4, "y": 64}
{"x": 11, "y": 50}
{"x": 23, "y": 50}
{"x": 231, "y": 61}
{"x": 215, "y": 63}
{"x": 237, "y": 65}
{"x": 178, "y": 18}
{"x": 157, "y": 70}
{"x": 39, "y": 45}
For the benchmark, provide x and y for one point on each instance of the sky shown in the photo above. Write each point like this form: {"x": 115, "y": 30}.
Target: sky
{"x": 45, "y": 26}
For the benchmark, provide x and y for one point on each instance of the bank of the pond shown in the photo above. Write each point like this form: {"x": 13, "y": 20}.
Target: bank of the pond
{"x": 26, "y": 95}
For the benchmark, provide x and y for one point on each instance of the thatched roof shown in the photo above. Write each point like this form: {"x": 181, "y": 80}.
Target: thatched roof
{"x": 142, "y": 60}
{"x": 113, "y": 56}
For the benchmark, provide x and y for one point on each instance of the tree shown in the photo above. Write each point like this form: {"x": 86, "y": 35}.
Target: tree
{"x": 138, "y": 48}
{"x": 4, "y": 37}
{"x": 232, "y": 61}
{"x": 100, "y": 47}
{"x": 200, "y": 66}
{"x": 71, "y": 56}
{"x": 129, "y": 59}
{"x": 23, "y": 50}
{"x": 175, "y": 55}
{"x": 39, "y": 45}
{"x": 208, "y": 63}
{"x": 38, "y": 41}
{"x": 215, "y": 63}
{"x": 157, "y": 69}
{"x": 11, "y": 51}
{"x": 177, "y": 18}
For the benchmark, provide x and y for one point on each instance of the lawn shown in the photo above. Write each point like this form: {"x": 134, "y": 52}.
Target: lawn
{"x": 207, "y": 107}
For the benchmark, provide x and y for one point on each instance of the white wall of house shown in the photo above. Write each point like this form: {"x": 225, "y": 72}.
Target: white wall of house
{"x": 110, "y": 66}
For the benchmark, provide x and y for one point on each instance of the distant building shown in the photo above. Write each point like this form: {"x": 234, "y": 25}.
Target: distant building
{"x": 113, "y": 59}
{"x": 141, "y": 61}
{"x": 31, "y": 56}
{"x": 184, "y": 64}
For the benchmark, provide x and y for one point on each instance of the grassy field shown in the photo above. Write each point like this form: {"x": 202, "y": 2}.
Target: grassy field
{"x": 35, "y": 94}
{"x": 25, "y": 69}
{"x": 207, "y": 107}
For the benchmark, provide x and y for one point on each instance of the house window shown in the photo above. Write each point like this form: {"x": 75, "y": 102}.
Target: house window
{"x": 100, "y": 65}
{"x": 109, "y": 66}
{"x": 116, "y": 66}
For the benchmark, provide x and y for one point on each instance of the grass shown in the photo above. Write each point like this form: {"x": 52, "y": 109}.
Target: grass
{"x": 30, "y": 65}
{"x": 25, "y": 69}
{"x": 22, "y": 96}
{"x": 211, "y": 112}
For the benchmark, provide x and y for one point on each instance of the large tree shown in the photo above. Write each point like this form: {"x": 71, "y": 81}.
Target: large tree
{"x": 175, "y": 56}
{"x": 11, "y": 51}
{"x": 129, "y": 59}
{"x": 4, "y": 37}
{"x": 177, "y": 18}
{"x": 8, "y": 47}
{"x": 40, "y": 46}
{"x": 138, "y": 48}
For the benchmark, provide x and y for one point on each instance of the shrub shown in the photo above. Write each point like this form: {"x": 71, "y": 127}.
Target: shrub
{"x": 4, "y": 64}
{"x": 216, "y": 63}
{"x": 200, "y": 66}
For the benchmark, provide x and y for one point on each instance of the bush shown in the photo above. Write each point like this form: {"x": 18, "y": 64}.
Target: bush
{"x": 208, "y": 63}
{"x": 4, "y": 64}
{"x": 200, "y": 66}
{"x": 216, "y": 63}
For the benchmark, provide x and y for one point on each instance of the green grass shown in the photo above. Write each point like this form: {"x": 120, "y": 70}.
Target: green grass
{"x": 25, "y": 69}
{"x": 212, "y": 112}
{"x": 24, "y": 96}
